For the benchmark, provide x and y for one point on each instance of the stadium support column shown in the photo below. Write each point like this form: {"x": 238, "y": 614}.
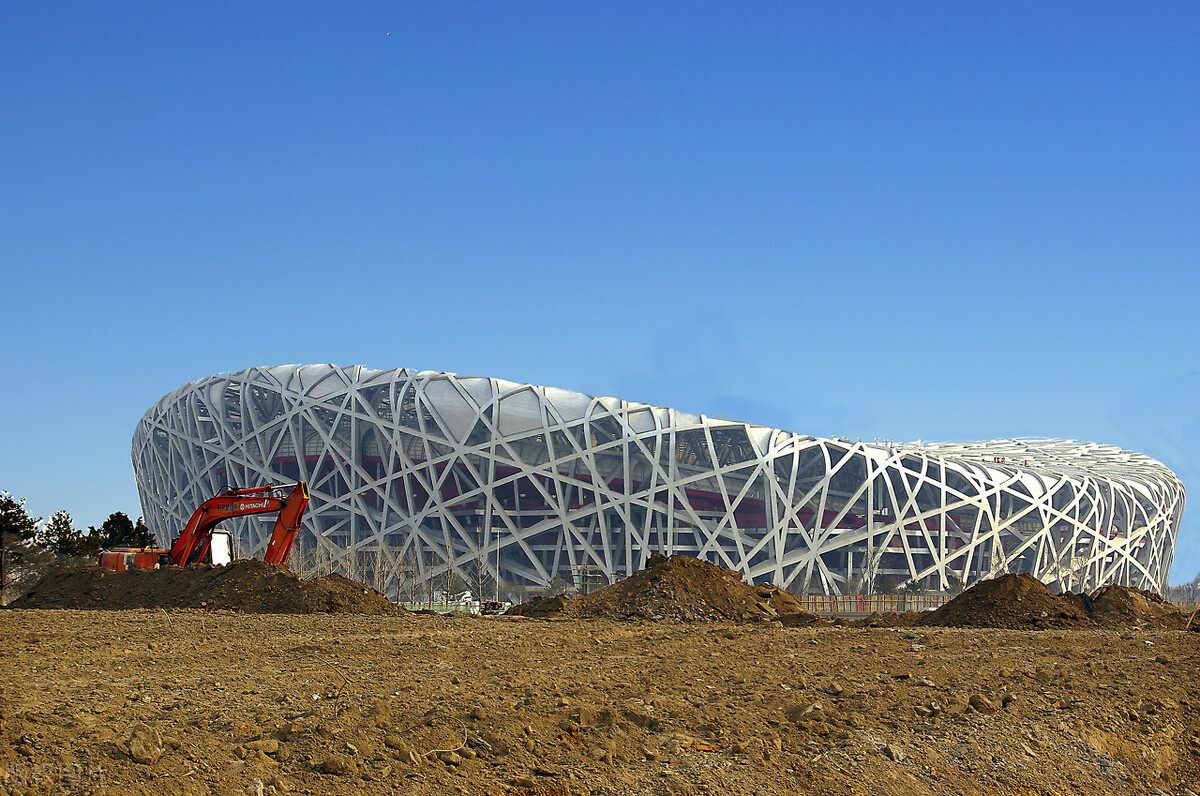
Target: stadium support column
{"x": 942, "y": 584}
{"x": 869, "y": 564}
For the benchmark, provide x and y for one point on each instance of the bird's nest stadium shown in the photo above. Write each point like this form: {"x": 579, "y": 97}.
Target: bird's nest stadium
{"x": 422, "y": 474}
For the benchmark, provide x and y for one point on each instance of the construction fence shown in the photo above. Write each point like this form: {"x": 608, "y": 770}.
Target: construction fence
{"x": 867, "y": 604}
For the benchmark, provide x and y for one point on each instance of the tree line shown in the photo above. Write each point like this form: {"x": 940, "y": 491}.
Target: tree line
{"x": 1184, "y": 594}
{"x": 30, "y": 546}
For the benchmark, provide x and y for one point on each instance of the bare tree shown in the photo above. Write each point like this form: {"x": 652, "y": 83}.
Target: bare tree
{"x": 855, "y": 584}
{"x": 324, "y": 557}
{"x": 558, "y": 585}
{"x": 1184, "y": 594}
{"x": 408, "y": 581}
{"x": 479, "y": 578}
{"x": 379, "y": 568}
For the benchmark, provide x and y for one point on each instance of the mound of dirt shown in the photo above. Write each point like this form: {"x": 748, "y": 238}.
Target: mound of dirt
{"x": 545, "y": 608}
{"x": 249, "y": 586}
{"x": 906, "y": 619}
{"x": 1017, "y": 602}
{"x": 681, "y": 588}
{"x": 1121, "y": 606}
{"x": 1023, "y": 602}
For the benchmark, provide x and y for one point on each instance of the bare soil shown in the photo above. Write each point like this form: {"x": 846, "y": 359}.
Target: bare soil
{"x": 250, "y": 586}
{"x": 681, "y": 680}
{"x": 196, "y": 702}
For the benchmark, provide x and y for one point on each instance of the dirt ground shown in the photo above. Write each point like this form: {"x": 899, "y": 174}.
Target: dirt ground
{"x": 250, "y": 586}
{"x": 186, "y": 701}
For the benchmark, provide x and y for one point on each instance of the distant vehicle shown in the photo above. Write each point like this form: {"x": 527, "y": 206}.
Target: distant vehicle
{"x": 493, "y": 608}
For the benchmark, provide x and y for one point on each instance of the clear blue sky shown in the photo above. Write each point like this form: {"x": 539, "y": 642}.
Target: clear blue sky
{"x": 945, "y": 221}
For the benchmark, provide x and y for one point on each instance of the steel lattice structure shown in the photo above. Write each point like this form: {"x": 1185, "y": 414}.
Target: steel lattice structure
{"x": 429, "y": 472}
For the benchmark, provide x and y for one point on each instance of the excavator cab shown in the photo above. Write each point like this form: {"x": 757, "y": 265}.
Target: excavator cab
{"x": 220, "y": 550}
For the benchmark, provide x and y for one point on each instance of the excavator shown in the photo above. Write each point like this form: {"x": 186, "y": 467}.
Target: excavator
{"x": 195, "y": 544}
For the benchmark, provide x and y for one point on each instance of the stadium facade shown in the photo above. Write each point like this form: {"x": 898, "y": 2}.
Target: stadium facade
{"x": 423, "y": 474}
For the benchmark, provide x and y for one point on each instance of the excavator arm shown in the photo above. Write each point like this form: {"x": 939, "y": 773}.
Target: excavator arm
{"x": 287, "y": 525}
{"x": 193, "y": 544}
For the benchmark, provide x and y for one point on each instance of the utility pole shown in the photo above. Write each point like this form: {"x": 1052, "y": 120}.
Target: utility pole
{"x": 3, "y": 575}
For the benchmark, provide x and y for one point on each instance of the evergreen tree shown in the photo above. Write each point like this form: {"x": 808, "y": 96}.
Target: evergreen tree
{"x": 60, "y": 535}
{"x": 119, "y": 531}
{"x": 93, "y": 541}
{"x": 142, "y": 534}
{"x": 17, "y": 532}
{"x": 17, "y": 527}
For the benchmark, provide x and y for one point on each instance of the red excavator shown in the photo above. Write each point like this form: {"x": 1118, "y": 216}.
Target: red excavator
{"x": 195, "y": 544}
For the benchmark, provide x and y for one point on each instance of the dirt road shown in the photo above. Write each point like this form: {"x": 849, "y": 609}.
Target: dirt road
{"x": 194, "y": 702}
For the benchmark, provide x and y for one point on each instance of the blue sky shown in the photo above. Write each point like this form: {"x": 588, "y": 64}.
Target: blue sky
{"x": 933, "y": 220}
